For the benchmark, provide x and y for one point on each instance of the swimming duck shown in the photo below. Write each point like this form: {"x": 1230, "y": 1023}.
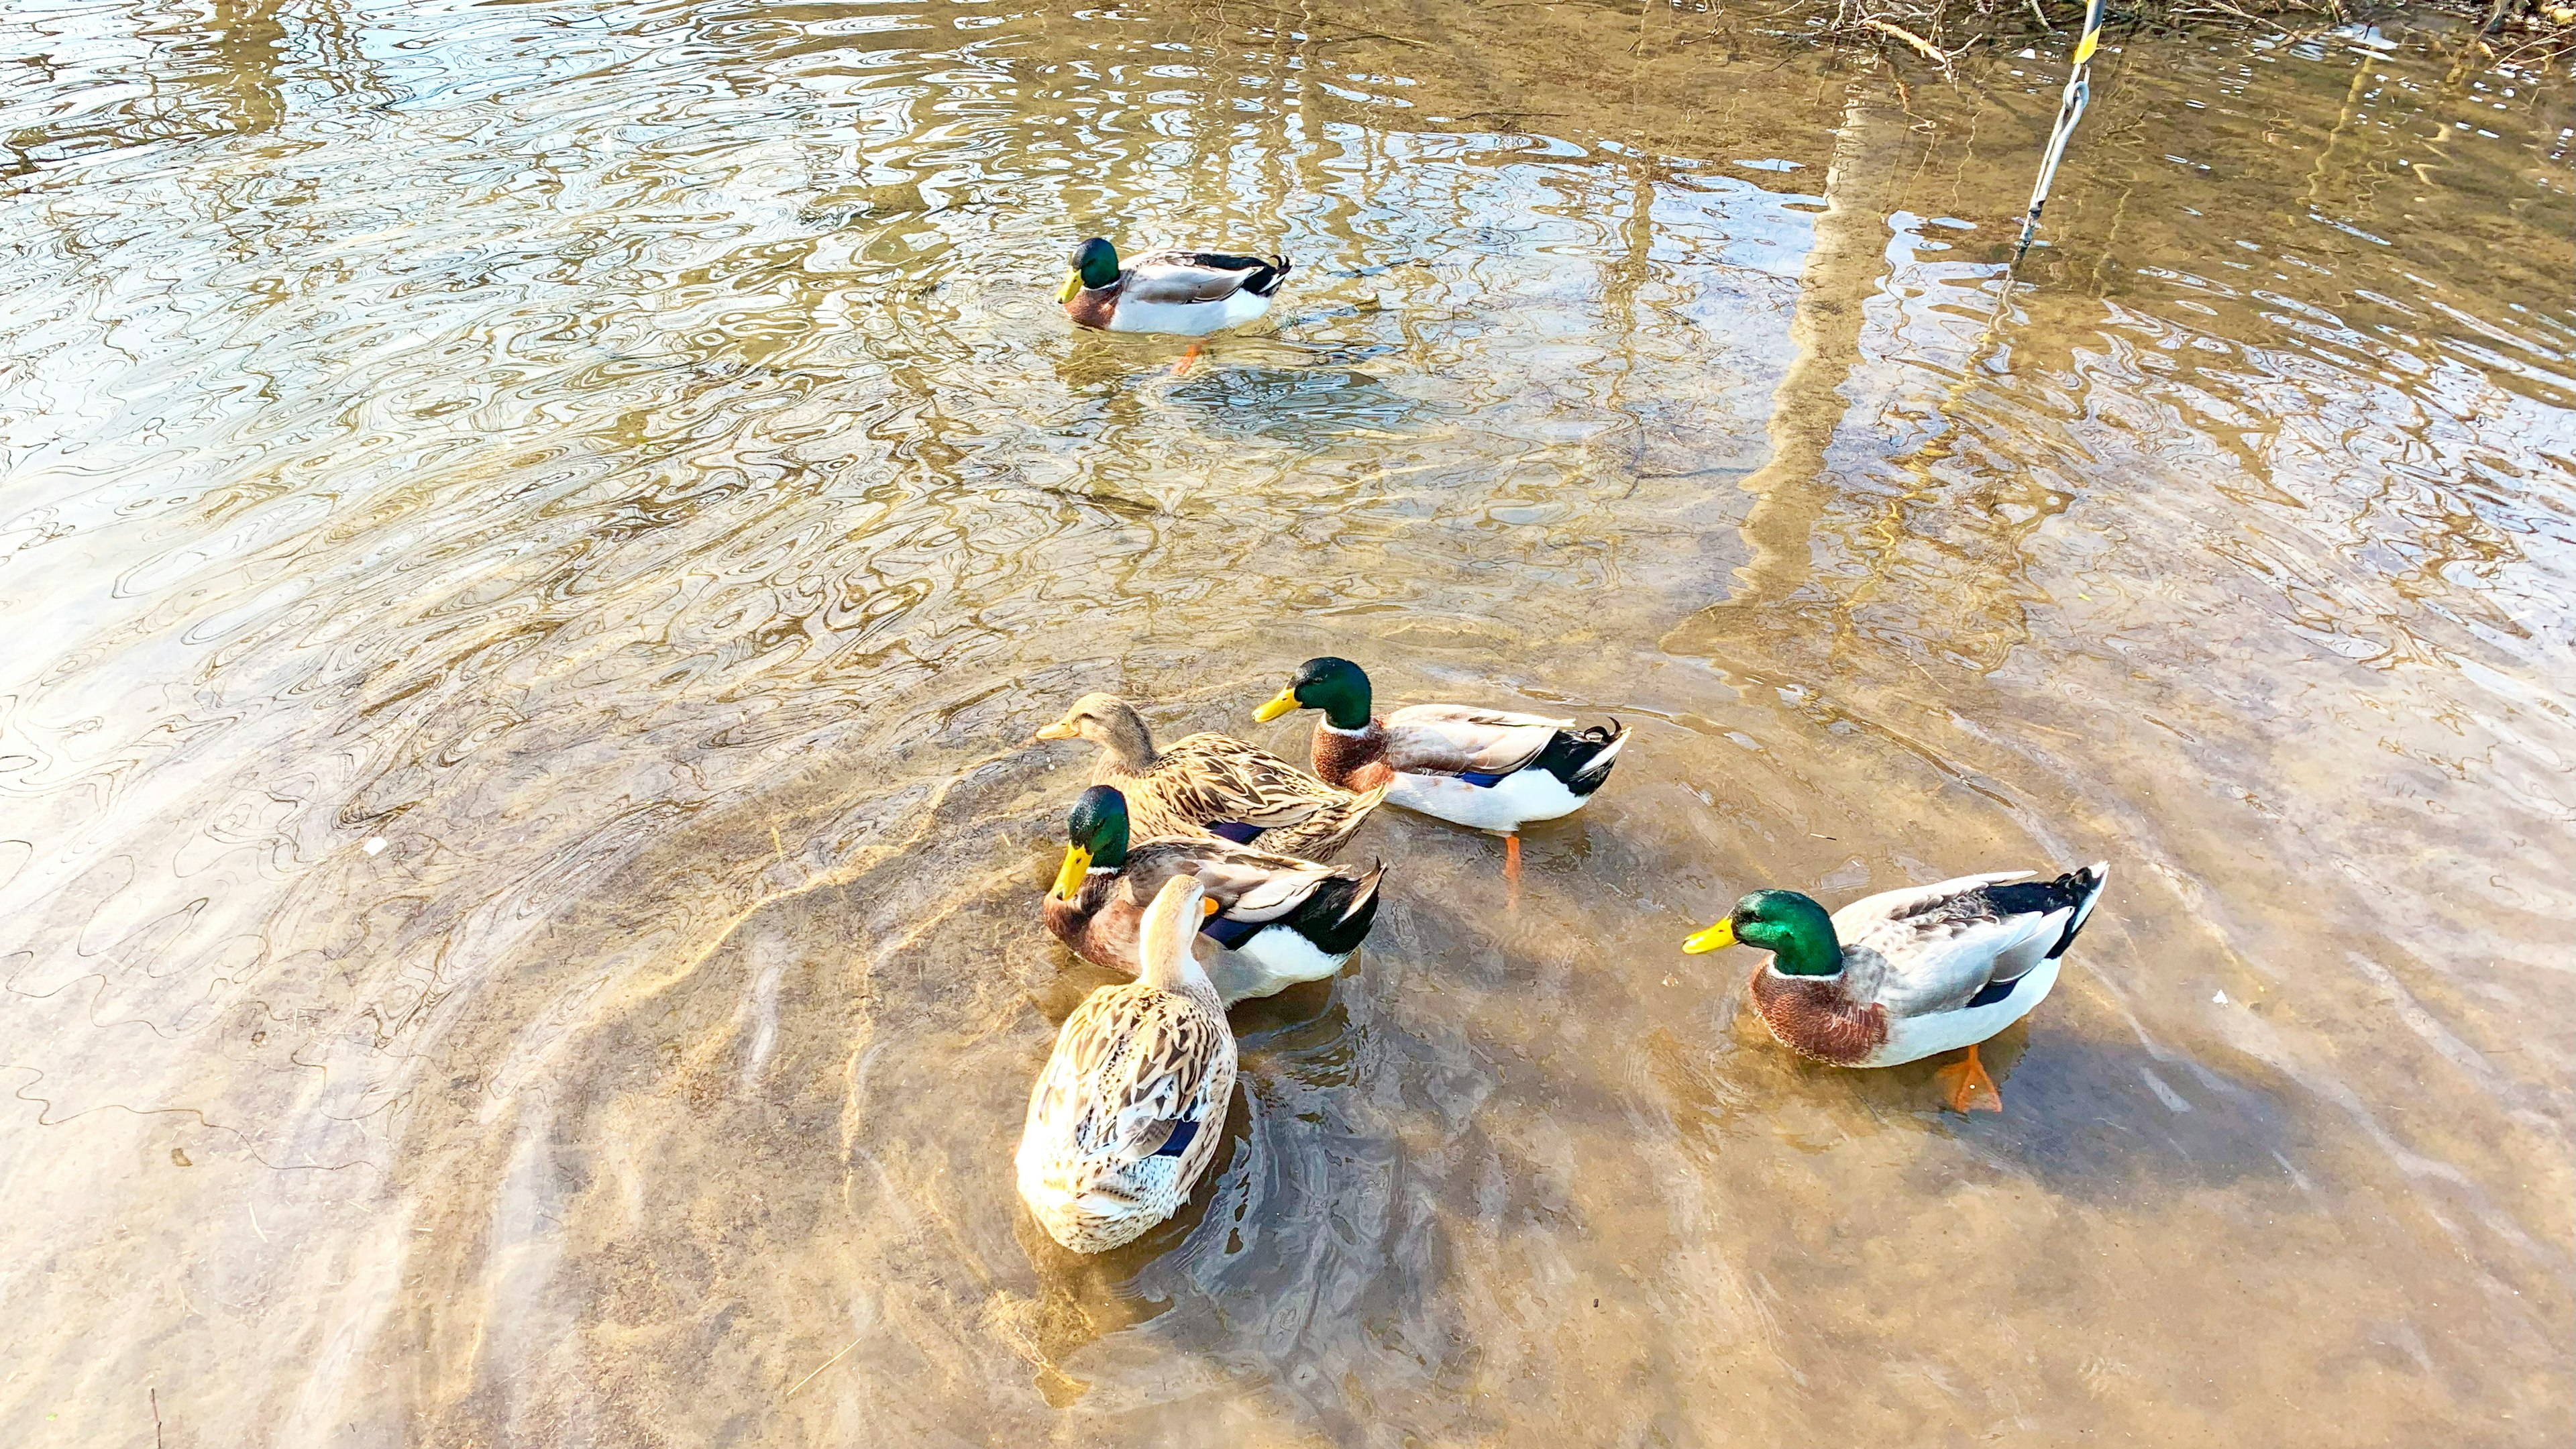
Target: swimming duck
{"x": 1129, "y": 1108}
{"x": 1190, "y": 294}
{"x": 1275, "y": 920}
{"x": 1487, "y": 768}
{"x": 1900, "y": 975}
{"x": 1211, "y": 784}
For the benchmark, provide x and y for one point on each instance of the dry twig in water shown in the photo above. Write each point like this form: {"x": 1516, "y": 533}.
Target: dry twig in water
{"x": 2222, "y": 5}
{"x": 1927, "y": 49}
{"x": 827, "y": 1363}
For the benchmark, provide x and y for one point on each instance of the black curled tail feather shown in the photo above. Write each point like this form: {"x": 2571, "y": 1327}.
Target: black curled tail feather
{"x": 1266, "y": 282}
{"x": 1338, "y": 915}
{"x": 2075, "y": 891}
{"x": 1576, "y": 757}
{"x": 2088, "y": 883}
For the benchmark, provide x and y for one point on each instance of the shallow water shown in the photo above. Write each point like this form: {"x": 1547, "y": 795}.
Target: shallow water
{"x": 535, "y": 536}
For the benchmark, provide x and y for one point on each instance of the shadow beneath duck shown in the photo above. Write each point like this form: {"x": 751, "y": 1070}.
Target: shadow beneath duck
{"x": 2101, "y": 1119}
{"x": 1086, "y": 1297}
{"x": 1265, "y": 1025}
{"x": 2084, "y": 1118}
{"x": 1243, "y": 400}
{"x": 1290, "y": 405}
{"x": 1098, "y": 362}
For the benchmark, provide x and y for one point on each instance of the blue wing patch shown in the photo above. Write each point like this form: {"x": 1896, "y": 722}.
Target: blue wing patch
{"x": 1183, "y": 1133}
{"x": 1236, "y": 831}
{"x": 1993, "y": 992}
{"x": 1228, "y": 932}
{"x": 1483, "y": 780}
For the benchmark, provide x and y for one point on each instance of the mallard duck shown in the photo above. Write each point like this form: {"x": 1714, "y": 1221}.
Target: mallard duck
{"x": 1210, "y": 784}
{"x": 1129, "y": 1108}
{"x": 1275, "y": 921}
{"x": 1898, "y": 976}
{"x": 1487, "y": 768}
{"x": 1188, "y": 294}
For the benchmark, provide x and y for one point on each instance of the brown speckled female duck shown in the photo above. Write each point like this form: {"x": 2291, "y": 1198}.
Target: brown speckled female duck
{"x": 1211, "y": 784}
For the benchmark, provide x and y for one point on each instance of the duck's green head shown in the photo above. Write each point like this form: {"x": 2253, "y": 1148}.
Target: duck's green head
{"x": 1335, "y": 686}
{"x": 1097, "y": 830}
{"x": 1792, "y": 927}
{"x": 1094, "y": 264}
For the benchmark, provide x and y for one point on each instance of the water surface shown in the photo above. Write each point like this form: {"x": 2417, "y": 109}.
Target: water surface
{"x": 534, "y": 537}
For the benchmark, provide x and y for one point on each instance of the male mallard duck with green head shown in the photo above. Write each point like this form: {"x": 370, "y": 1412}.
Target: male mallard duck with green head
{"x": 1274, "y": 920}
{"x": 1488, "y": 768}
{"x": 1184, "y": 293}
{"x": 1128, "y": 1110}
{"x": 1212, "y": 784}
{"x": 1899, "y": 976}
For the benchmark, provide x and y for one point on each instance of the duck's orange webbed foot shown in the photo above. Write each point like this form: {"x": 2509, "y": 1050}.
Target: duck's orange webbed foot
{"x": 1188, "y": 356}
{"x": 1967, "y": 1088}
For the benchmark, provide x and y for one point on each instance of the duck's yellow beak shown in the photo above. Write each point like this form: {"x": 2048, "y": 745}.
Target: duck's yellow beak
{"x": 1068, "y": 877}
{"x": 1715, "y": 938}
{"x": 1072, "y": 284}
{"x": 1285, "y": 701}
{"x": 1060, "y": 730}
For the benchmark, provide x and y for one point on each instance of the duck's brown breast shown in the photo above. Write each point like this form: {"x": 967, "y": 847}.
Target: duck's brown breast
{"x": 1100, "y": 927}
{"x": 1815, "y": 1017}
{"x": 1355, "y": 761}
{"x": 1092, "y": 306}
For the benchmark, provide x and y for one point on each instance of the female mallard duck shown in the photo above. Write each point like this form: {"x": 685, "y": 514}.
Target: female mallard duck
{"x": 1486, "y": 768}
{"x": 1276, "y": 921}
{"x": 1125, "y": 1115}
{"x": 1898, "y": 976}
{"x": 1209, "y": 784}
{"x": 1190, "y": 294}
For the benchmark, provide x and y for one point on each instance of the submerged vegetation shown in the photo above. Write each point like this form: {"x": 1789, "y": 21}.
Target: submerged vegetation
{"x": 2501, "y": 32}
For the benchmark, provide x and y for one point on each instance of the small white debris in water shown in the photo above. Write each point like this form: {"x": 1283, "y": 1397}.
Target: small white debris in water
{"x": 2028, "y": 54}
{"x": 375, "y": 845}
{"x": 2219, "y": 1000}
{"x": 1672, "y": 981}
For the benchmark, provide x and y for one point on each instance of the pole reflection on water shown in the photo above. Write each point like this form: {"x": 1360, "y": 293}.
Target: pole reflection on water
{"x": 626, "y": 460}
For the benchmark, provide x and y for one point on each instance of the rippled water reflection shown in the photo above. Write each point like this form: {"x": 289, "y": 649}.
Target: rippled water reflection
{"x": 535, "y": 536}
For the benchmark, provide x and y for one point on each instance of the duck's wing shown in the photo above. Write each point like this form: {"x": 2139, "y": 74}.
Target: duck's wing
{"x": 1942, "y": 947}
{"x": 1332, "y": 906}
{"x": 1487, "y": 746}
{"x": 1321, "y": 835}
{"x": 1180, "y": 278}
{"x": 1247, "y": 884}
{"x": 1213, "y": 777}
{"x": 1458, "y": 739}
{"x": 1211, "y": 784}
{"x": 1133, "y": 1069}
